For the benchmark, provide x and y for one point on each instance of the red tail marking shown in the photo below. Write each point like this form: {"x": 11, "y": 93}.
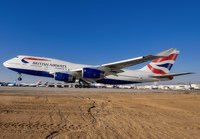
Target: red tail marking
{"x": 156, "y": 71}
{"x": 170, "y": 57}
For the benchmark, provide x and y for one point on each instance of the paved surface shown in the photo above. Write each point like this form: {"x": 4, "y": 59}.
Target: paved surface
{"x": 95, "y": 90}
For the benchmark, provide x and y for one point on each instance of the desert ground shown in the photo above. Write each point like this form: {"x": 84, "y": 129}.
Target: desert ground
{"x": 50, "y": 113}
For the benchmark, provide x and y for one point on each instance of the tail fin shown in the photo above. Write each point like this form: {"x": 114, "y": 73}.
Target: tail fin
{"x": 162, "y": 65}
{"x": 15, "y": 82}
{"x": 39, "y": 83}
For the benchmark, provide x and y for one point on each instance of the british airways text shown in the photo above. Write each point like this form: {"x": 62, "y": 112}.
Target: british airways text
{"x": 48, "y": 64}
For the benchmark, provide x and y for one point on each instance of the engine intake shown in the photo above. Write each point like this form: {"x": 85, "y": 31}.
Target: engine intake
{"x": 92, "y": 73}
{"x": 64, "y": 77}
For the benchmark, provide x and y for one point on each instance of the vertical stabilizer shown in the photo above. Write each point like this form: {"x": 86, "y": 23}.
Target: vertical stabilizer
{"x": 39, "y": 83}
{"x": 162, "y": 65}
{"x": 15, "y": 82}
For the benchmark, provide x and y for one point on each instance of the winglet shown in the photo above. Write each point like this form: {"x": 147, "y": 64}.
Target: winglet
{"x": 166, "y": 52}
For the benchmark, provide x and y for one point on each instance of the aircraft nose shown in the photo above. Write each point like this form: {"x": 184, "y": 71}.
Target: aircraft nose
{"x": 5, "y": 63}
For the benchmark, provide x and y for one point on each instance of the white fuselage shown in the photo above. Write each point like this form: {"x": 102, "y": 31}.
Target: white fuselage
{"x": 47, "y": 66}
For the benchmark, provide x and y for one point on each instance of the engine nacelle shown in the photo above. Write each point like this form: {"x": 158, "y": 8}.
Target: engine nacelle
{"x": 64, "y": 77}
{"x": 92, "y": 73}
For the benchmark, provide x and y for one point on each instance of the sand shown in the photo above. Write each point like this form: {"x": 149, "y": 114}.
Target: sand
{"x": 93, "y": 115}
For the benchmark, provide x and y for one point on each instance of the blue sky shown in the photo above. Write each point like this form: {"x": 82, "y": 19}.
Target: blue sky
{"x": 99, "y": 31}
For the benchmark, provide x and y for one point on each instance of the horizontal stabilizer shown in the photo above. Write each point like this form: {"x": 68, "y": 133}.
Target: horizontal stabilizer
{"x": 170, "y": 75}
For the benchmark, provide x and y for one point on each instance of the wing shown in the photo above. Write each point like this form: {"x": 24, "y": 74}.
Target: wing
{"x": 134, "y": 61}
{"x": 116, "y": 67}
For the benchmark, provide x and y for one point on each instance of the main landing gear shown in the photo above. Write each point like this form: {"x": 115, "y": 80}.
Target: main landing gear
{"x": 20, "y": 78}
{"x": 82, "y": 84}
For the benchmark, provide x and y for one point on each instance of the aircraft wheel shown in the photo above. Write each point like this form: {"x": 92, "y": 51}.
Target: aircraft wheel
{"x": 76, "y": 86}
{"x": 19, "y": 79}
{"x": 80, "y": 86}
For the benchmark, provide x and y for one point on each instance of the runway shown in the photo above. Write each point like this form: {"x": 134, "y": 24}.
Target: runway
{"x": 6, "y": 88}
{"x": 58, "y": 113}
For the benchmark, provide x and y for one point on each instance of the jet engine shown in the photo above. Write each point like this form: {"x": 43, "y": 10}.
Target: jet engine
{"x": 64, "y": 77}
{"x": 92, "y": 73}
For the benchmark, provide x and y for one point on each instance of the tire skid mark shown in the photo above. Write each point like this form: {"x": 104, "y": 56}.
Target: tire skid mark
{"x": 40, "y": 126}
{"x": 56, "y": 110}
{"x": 90, "y": 113}
{"x": 52, "y": 134}
{"x": 82, "y": 114}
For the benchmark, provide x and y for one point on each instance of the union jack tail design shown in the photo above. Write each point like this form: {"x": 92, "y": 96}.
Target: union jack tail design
{"x": 162, "y": 65}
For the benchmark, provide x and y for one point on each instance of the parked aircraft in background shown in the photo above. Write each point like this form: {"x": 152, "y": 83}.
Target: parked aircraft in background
{"x": 3, "y": 84}
{"x": 32, "y": 85}
{"x": 111, "y": 73}
{"x": 126, "y": 86}
{"x": 12, "y": 84}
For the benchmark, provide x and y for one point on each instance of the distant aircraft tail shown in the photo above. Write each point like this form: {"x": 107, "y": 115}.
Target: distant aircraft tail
{"x": 162, "y": 65}
{"x": 39, "y": 83}
{"x": 15, "y": 82}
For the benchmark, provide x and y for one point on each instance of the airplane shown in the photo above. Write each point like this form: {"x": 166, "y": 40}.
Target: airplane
{"x": 12, "y": 84}
{"x": 32, "y": 85}
{"x": 3, "y": 84}
{"x": 126, "y": 86}
{"x": 111, "y": 73}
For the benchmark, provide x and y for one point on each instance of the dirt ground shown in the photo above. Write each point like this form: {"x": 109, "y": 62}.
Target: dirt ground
{"x": 93, "y": 115}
